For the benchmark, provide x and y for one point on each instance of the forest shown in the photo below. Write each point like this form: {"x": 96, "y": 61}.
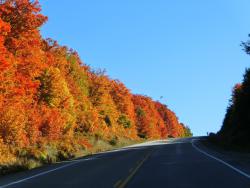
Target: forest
{"x": 53, "y": 106}
{"x": 235, "y": 131}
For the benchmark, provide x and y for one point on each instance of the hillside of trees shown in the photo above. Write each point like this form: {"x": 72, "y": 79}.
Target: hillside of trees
{"x": 53, "y": 106}
{"x": 235, "y": 131}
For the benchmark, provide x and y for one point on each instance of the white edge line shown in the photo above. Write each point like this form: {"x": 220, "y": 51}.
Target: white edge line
{"x": 221, "y": 161}
{"x": 43, "y": 173}
{"x": 64, "y": 166}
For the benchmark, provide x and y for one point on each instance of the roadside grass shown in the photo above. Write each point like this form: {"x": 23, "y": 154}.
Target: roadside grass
{"x": 34, "y": 157}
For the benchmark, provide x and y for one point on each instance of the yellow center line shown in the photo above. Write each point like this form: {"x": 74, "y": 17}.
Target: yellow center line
{"x": 133, "y": 172}
{"x": 117, "y": 183}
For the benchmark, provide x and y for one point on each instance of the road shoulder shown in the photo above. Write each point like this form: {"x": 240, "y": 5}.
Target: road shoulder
{"x": 236, "y": 159}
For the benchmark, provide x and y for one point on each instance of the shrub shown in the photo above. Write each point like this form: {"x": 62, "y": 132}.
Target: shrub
{"x": 124, "y": 121}
{"x": 143, "y": 135}
{"x": 113, "y": 141}
{"x": 140, "y": 112}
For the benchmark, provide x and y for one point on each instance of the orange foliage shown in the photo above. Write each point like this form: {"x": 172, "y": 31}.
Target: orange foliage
{"x": 48, "y": 95}
{"x": 149, "y": 122}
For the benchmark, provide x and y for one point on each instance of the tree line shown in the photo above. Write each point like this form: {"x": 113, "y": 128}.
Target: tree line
{"x": 52, "y": 104}
{"x": 235, "y": 131}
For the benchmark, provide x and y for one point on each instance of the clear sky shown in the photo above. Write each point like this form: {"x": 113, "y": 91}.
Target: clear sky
{"x": 186, "y": 51}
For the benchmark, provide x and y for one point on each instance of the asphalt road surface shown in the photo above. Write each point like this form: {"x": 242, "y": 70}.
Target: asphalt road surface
{"x": 177, "y": 163}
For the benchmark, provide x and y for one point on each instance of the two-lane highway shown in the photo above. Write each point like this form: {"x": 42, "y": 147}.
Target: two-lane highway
{"x": 175, "y": 163}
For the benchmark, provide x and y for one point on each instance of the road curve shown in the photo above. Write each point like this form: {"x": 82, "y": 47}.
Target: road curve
{"x": 172, "y": 163}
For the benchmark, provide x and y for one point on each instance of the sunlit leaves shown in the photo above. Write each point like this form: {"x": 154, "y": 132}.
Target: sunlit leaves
{"x": 50, "y": 99}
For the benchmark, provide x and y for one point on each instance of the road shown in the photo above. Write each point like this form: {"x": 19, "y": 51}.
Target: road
{"x": 178, "y": 163}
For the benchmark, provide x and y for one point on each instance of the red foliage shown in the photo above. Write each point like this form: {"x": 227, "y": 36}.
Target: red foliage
{"x": 47, "y": 93}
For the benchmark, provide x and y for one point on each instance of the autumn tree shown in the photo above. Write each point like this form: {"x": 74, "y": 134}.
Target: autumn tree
{"x": 148, "y": 120}
{"x": 52, "y": 105}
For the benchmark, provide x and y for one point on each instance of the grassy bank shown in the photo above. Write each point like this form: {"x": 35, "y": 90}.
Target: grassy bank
{"x": 31, "y": 158}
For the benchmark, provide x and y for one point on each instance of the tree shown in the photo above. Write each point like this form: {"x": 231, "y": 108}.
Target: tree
{"x": 52, "y": 105}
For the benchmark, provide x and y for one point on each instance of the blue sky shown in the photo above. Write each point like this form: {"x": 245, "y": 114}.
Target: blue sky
{"x": 186, "y": 51}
